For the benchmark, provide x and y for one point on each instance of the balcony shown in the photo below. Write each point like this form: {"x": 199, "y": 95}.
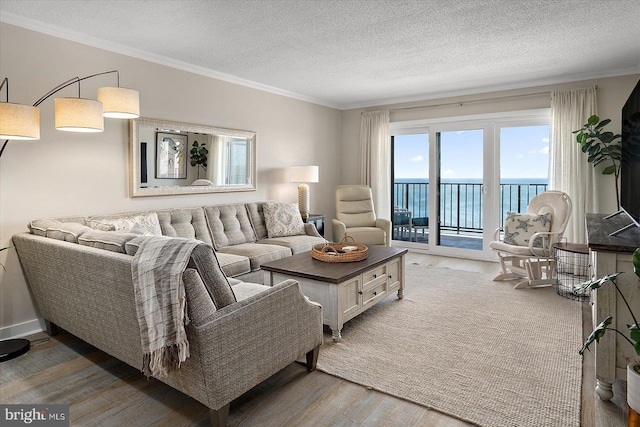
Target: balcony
{"x": 461, "y": 210}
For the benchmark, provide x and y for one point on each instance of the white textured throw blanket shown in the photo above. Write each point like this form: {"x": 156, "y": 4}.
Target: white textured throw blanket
{"x": 161, "y": 302}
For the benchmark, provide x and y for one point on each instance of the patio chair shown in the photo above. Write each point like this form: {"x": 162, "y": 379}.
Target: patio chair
{"x": 356, "y": 217}
{"x": 526, "y": 251}
{"x": 419, "y": 223}
{"x": 402, "y": 221}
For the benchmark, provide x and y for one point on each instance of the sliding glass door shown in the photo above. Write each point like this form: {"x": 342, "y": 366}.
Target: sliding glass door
{"x": 460, "y": 180}
{"x": 454, "y": 180}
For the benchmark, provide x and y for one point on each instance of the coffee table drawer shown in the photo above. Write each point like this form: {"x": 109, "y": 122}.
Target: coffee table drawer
{"x": 371, "y": 279}
{"x": 372, "y": 296}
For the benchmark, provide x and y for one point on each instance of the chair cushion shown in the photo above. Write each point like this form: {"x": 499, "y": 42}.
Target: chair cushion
{"x": 518, "y": 228}
{"x": 283, "y": 219}
{"x": 354, "y": 206}
{"x": 367, "y": 235}
{"x": 511, "y": 249}
{"x": 421, "y": 221}
{"x": 258, "y": 254}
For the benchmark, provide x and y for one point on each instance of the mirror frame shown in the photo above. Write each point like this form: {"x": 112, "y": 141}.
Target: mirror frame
{"x": 135, "y": 190}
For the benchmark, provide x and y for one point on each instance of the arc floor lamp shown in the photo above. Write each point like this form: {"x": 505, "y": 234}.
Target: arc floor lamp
{"x": 22, "y": 122}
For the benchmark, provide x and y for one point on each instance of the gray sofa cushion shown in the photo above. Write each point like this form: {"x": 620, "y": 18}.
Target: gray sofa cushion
{"x": 107, "y": 240}
{"x": 233, "y": 265}
{"x": 229, "y": 225}
{"x": 297, "y": 244}
{"x": 257, "y": 254}
{"x": 256, "y": 215}
{"x": 203, "y": 258}
{"x": 188, "y": 223}
{"x": 244, "y": 290}
{"x": 199, "y": 305}
{"x": 54, "y": 229}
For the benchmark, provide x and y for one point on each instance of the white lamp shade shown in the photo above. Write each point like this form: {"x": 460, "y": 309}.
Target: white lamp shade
{"x": 119, "y": 102}
{"x": 304, "y": 173}
{"x": 78, "y": 115}
{"x": 19, "y": 122}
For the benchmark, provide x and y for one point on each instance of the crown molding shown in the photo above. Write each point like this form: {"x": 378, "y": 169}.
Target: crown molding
{"x": 63, "y": 33}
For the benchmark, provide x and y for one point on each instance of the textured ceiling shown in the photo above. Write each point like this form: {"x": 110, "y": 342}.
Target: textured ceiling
{"x": 355, "y": 53}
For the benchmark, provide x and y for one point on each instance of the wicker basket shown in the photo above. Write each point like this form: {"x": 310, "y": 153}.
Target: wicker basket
{"x": 335, "y": 251}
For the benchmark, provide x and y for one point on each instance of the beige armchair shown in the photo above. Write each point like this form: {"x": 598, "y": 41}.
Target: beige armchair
{"x": 356, "y": 217}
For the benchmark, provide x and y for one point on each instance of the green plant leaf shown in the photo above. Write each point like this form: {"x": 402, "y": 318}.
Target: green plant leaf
{"x": 596, "y": 334}
{"x": 607, "y": 137}
{"x": 636, "y": 261}
{"x": 609, "y": 170}
{"x": 593, "y": 120}
{"x": 603, "y": 123}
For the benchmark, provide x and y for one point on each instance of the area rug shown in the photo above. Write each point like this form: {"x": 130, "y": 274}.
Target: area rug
{"x": 474, "y": 349}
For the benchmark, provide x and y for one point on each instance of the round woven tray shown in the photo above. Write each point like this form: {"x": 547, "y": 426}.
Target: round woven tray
{"x": 336, "y": 252}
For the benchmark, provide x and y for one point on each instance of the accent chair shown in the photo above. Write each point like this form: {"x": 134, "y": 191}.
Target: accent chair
{"x": 356, "y": 217}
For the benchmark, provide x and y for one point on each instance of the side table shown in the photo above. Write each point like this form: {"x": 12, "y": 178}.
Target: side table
{"x": 317, "y": 220}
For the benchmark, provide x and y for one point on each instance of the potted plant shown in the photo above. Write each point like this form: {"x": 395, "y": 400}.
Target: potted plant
{"x": 199, "y": 156}
{"x": 633, "y": 369}
{"x": 601, "y": 147}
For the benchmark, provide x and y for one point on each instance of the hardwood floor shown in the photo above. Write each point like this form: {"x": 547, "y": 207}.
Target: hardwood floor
{"x": 102, "y": 391}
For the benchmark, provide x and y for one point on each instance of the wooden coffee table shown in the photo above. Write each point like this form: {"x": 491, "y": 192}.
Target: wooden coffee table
{"x": 344, "y": 289}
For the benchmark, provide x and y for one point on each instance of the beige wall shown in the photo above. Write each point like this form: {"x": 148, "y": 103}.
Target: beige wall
{"x": 80, "y": 174}
{"x": 612, "y": 94}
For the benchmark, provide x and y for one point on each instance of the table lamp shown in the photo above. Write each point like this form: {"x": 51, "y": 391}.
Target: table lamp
{"x": 303, "y": 175}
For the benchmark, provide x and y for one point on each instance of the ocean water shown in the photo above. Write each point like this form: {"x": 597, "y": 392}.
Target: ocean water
{"x": 461, "y": 201}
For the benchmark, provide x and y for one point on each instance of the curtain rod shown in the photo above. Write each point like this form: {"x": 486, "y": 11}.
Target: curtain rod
{"x": 461, "y": 103}
{"x": 473, "y": 101}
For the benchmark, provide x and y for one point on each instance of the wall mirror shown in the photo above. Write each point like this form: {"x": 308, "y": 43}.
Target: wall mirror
{"x": 160, "y": 159}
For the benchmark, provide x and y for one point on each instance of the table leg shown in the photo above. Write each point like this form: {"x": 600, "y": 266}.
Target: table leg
{"x": 603, "y": 390}
{"x": 336, "y": 335}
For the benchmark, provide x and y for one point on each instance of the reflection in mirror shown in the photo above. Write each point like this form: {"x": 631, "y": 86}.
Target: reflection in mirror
{"x": 168, "y": 158}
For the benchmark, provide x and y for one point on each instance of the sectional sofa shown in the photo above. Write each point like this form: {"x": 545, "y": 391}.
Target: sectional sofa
{"x": 80, "y": 273}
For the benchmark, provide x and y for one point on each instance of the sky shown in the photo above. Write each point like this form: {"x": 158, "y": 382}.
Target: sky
{"x": 524, "y": 153}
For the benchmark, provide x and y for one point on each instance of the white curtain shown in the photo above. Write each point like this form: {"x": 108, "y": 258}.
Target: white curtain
{"x": 569, "y": 170}
{"x": 375, "y": 168}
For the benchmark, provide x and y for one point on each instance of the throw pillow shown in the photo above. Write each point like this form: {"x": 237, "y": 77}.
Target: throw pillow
{"x": 282, "y": 219}
{"x": 124, "y": 224}
{"x": 518, "y": 228}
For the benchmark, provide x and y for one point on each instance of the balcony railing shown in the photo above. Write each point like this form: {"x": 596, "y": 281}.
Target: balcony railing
{"x": 461, "y": 204}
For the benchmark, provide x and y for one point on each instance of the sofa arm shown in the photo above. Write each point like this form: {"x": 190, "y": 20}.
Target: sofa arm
{"x": 310, "y": 230}
{"x": 246, "y": 342}
{"x": 339, "y": 230}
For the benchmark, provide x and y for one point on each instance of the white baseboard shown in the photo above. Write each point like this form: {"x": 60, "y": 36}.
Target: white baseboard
{"x": 22, "y": 329}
